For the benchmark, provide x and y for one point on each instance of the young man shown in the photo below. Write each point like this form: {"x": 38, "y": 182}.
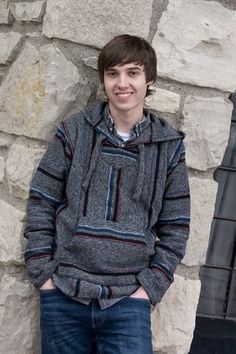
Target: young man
{"x": 108, "y": 214}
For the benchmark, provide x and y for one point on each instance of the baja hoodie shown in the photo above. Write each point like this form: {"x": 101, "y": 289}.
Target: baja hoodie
{"x": 105, "y": 217}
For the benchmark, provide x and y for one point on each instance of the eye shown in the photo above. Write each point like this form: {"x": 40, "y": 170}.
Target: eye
{"x": 111, "y": 73}
{"x": 133, "y": 73}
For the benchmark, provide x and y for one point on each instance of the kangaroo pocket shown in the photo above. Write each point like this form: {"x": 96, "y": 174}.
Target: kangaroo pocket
{"x": 106, "y": 248}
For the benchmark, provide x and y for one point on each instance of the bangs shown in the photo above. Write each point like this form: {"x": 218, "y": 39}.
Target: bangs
{"x": 125, "y": 49}
{"x": 123, "y": 56}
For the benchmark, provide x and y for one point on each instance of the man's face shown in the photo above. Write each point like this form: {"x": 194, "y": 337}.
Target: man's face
{"x": 126, "y": 88}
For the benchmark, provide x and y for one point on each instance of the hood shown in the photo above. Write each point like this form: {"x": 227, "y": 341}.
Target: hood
{"x": 159, "y": 130}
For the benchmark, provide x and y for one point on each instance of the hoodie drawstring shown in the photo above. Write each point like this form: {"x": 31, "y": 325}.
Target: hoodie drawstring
{"x": 93, "y": 161}
{"x": 140, "y": 175}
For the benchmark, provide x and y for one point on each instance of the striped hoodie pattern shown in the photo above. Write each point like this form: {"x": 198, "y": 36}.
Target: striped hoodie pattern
{"x": 104, "y": 217}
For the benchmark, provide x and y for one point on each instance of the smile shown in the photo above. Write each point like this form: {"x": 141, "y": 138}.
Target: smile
{"x": 124, "y": 94}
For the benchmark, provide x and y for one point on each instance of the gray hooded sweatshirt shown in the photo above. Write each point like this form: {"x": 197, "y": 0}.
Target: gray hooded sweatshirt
{"x": 105, "y": 217}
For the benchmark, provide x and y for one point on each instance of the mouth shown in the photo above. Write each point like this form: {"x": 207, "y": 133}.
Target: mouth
{"x": 123, "y": 94}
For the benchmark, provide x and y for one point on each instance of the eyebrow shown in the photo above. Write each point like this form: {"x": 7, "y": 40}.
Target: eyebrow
{"x": 135, "y": 68}
{"x": 131, "y": 68}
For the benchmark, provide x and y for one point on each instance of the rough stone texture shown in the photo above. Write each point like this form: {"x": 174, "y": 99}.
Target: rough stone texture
{"x": 20, "y": 165}
{"x": 207, "y": 125}
{"x": 29, "y": 11}
{"x": 2, "y": 166}
{"x": 5, "y": 13}
{"x": 5, "y": 140}
{"x": 163, "y": 101}
{"x": 95, "y": 22}
{"x": 195, "y": 46}
{"x": 39, "y": 89}
{"x": 203, "y": 193}
{"x": 173, "y": 320}
{"x": 18, "y": 317}
{"x": 91, "y": 62}
{"x": 10, "y": 42}
{"x": 11, "y": 224}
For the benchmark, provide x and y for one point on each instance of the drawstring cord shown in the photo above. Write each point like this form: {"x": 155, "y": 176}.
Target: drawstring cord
{"x": 93, "y": 161}
{"x": 140, "y": 176}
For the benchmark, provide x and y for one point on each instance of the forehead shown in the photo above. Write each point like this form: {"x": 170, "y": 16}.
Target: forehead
{"x": 127, "y": 66}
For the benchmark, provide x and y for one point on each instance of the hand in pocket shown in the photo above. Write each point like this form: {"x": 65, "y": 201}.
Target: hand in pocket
{"x": 48, "y": 285}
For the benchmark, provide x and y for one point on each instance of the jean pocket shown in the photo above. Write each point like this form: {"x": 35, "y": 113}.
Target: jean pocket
{"x": 140, "y": 299}
{"x": 48, "y": 291}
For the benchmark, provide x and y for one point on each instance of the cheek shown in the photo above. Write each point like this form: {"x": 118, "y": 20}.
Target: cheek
{"x": 143, "y": 90}
{"x": 107, "y": 87}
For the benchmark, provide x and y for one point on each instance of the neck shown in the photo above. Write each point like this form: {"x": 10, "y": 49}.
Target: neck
{"x": 124, "y": 121}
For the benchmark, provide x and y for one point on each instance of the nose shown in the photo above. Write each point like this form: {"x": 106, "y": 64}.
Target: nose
{"x": 122, "y": 81}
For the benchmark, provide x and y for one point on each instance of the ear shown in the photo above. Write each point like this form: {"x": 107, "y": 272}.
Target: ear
{"x": 150, "y": 83}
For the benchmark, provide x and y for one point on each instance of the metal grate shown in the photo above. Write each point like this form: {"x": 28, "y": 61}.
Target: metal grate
{"x": 218, "y": 275}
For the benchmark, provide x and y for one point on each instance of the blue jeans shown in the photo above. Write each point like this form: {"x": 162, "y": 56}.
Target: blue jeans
{"x": 69, "y": 327}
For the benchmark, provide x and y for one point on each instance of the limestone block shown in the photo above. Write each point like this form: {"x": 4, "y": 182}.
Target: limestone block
{"x": 91, "y": 62}
{"x": 163, "y": 101}
{"x": 207, "y": 126}
{"x": 21, "y": 163}
{"x": 19, "y": 317}
{"x": 2, "y": 166}
{"x": 10, "y": 42}
{"x": 11, "y": 225}
{"x": 5, "y": 140}
{"x": 37, "y": 92}
{"x": 203, "y": 194}
{"x": 95, "y": 22}
{"x": 6, "y": 17}
{"x": 173, "y": 320}
{"x": 194, "y": 45}
{"x": 29, "y": 11}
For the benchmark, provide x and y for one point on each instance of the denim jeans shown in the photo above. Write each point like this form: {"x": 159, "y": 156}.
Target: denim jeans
{"x": 70, "y": 327}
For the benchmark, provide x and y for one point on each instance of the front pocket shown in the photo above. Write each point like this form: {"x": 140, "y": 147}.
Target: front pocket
{"x": 141, "y": 299}
{"x": 105, "y": 249}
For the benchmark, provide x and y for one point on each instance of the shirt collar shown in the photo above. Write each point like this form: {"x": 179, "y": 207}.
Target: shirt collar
{"x": 135, "y": 131}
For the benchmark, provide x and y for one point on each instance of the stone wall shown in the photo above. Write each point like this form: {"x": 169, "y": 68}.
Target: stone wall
{"x": 48, "y": 71}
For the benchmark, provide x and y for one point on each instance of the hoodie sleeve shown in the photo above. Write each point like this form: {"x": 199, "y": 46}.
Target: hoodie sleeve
{"x": 46, "y": 197}
{"x": 171, "y": 229}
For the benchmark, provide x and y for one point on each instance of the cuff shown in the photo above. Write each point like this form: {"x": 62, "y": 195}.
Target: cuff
{"x": 154, "y": 285}
{"x": 39, "y": 280}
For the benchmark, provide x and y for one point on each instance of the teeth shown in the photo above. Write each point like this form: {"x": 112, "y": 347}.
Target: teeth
{"x": 124, "y": 94}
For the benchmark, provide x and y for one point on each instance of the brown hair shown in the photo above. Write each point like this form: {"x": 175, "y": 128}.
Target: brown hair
{"x": 125, "y": 49}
